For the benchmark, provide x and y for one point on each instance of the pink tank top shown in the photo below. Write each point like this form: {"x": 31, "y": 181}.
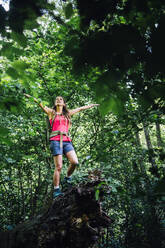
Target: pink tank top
{"x": 60, "y": 124}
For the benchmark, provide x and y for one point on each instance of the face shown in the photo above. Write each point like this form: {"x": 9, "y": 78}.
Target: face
{"x": 59, "y": 101}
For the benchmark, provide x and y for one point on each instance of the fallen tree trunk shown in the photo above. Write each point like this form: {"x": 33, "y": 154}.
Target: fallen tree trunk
{"x": 73, "y": 220}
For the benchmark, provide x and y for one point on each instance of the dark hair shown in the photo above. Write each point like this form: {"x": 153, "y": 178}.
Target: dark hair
{"x": 65, "y": 111}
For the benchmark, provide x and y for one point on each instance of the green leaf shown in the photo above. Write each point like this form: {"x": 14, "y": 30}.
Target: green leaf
{"x": 7, "y": 141}
{"x": 12, "y": 73}
{"x": 9, "y": 51}
{"x": 31, "y": 24}
{"x": 20, "y": 38}
{"x": 3, "y": 131}
{"x": 122, "y": 19}
{"x": 68, "y": 10}
{"x": 113, "y": 104}
{"x": 31, "y": 99}
{"x": 20, "y": 65}
{"x": 97, "y": 194}
{"x": 14, "y": 109}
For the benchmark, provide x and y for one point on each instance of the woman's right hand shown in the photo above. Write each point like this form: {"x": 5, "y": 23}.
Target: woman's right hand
{"x": 47, "y": 110}
{"x": 28, "y": 96}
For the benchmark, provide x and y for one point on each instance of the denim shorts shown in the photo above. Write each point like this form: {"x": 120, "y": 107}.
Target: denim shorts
{"x": 57, "y": 150}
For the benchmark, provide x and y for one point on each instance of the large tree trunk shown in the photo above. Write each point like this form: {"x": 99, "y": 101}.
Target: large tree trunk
{"x": 158, "y": 134}
{"x": 149, "y": 146}
{"x": 73, "y": 220}
{"x": 140, "y": 158}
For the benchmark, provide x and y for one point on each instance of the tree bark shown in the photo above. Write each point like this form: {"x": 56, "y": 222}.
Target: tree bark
{"x": 158, "y": 135}
{"x": 149, "y": 146}
{"x": 73, "y": 220}
{"x": 140, "y": 159}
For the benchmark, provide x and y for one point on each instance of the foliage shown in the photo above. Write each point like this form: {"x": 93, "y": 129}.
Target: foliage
{"x": 87, "y": 51}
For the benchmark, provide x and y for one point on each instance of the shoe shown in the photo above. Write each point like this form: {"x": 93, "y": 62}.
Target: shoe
{"x": 68, "y": 180}
{"x": 57, "y": 192}
{"x": 67, "y": 183}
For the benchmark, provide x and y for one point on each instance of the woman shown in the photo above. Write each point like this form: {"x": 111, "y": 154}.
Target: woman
{"x": 60, "y": 142}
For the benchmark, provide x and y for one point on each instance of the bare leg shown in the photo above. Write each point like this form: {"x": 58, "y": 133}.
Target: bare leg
{"x": 72, "y": 157}
{"x": 57, "y": 172}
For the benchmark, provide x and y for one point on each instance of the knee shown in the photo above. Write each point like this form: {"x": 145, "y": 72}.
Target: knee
{"x": 74, "y": 162}
{"x": 75, "y": 165}
{"x": 58, "y": 167}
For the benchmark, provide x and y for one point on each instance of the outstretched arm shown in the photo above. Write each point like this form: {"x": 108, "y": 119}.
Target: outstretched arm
{"x": 47, "y": 110}
{"x": 74, "y": 111}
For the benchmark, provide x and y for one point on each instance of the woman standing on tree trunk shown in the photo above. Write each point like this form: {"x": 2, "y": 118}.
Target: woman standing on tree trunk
{"x": 60, "y": 143}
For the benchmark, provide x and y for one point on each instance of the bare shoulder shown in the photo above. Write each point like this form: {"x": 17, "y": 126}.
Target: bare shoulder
{"x": 49, "y": 111}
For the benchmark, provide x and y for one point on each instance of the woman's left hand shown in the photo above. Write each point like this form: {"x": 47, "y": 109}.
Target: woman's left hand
{"x": 95, "y": 104}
